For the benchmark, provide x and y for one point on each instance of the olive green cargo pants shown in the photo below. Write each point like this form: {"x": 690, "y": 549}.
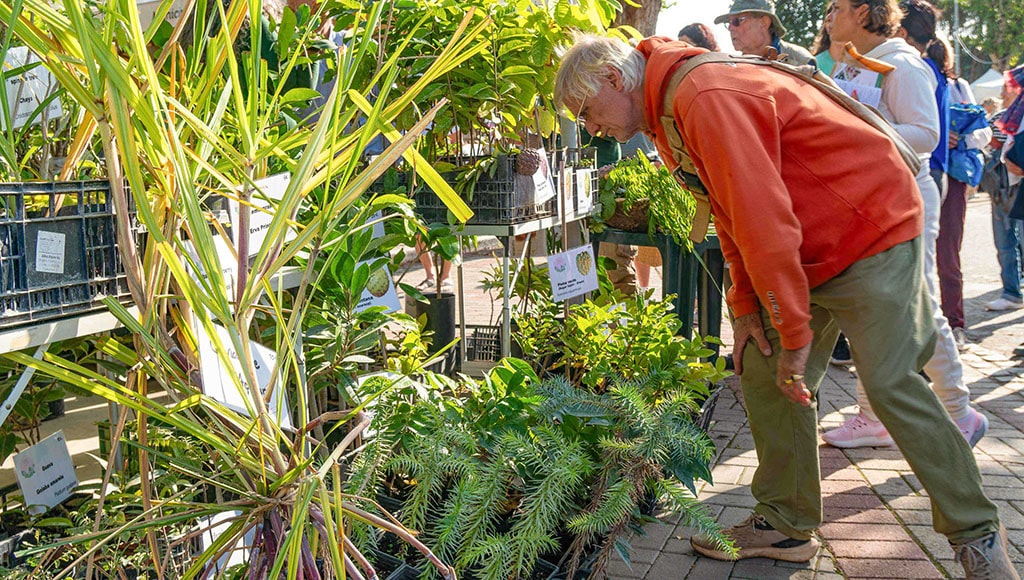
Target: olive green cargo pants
{"x": 881, "y": 304}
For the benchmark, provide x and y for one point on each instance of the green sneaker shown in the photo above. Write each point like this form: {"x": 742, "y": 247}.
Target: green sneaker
{"x": 986, "y": 558}
{"x": 756, "y": 538}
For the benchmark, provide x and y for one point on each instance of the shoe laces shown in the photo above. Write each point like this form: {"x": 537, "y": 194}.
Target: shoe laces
{"x": 857, "y": 423}
{"x": 974, "y": 558}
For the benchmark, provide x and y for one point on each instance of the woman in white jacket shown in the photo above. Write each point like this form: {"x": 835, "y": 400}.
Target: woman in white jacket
{"x": 908, "y": 101}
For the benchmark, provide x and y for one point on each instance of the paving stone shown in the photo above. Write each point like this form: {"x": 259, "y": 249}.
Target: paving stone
{"x": 904, "y": 569}
{"x": 934, "y": 543}
{"x": 895, "y": 464}
{"x": 853, "y": 500}
{"x": 893, "y": 550}
{"x": 654, "y": 538}
{"x": 1001, "y": 481}
{"x": 846, "y": 472}
{"x": 618, "y": 569}
{"x": 911, "y": 502}
{"x": 732, "y": 500}
{"x": 862, "y": 531}
{"x": 671, "y": 566}
{"x": 851, "y": 515}
{"x": 726, "y": 474}
{"x": 640, "y": 557}
{"x": 764, "y": 569}
{"x": 847, "y": 486}
{"x": 708, "y": 569}
{"x": 1011, "y": 493}
{"x": 915, "y": 517}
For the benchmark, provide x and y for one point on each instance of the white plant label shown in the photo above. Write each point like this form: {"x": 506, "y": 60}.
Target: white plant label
{"x": 28, "y": 90}
{"x": 544, "y": 186}
{"x": 378, "y": 224}
{"x": 50, "y": 252}
{"x": 573, "y": 273}
{"x": 147, "y": 12}
{"x": 212, "y": 527}
{"x": 46, "y": 474}
{"x": 228, "y": 264}
{"x": 380, "y": 291}
{"x": 584, "y": 192}
{"x": 219, "y": 384}
{"x": 264, "y": 201}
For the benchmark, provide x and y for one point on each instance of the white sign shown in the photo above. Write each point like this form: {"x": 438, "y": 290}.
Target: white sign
{"x": 544, "y": 187}
{"x": 572, "y": 273}
{"x": 147, "y": 12}
{"x": 380, "y": 290}
{"x": 219, "y": 384}
{"x": 50, "y": 252}
{"x": 378, "y": 224}
{"x": 584, "y": 191}
{"x": 213, "y": 526}
{"x": 228, "y": 264}
{"x": 264, "y": 200}
{"x": 25, "y": 92}
{"x": 46, "y": 474}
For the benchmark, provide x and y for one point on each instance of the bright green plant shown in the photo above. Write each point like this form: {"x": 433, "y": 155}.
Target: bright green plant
{"x": 513, "y": 468}
{"x": 182, "y": 124}
{"x": 635, "y": 180}
{"x": 504, "y": 90}
{"x": 21, "y": 429}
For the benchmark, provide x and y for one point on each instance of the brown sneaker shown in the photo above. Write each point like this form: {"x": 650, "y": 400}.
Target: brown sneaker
{"x": 756, "y": 538}
{"x": 986, "y": 558}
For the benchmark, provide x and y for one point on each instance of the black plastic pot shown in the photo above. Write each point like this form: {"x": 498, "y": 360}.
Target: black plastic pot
{"x": 441, "y": 322}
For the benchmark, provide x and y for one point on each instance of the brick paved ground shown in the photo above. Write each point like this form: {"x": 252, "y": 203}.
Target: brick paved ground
{"x": 878, "y": 523}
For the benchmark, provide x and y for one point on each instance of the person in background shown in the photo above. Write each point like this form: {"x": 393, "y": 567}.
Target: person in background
{"x": 907, "y": 102}
{"x": 826, "y": 53}
{"x": 1008, "y": 233}
{"x": 699, "y": 34}
{"x": 954, "y": 208}
{"x": 625, "y": 276}
{"x": 816, "y": 243}
{"x": 756, "y": 30}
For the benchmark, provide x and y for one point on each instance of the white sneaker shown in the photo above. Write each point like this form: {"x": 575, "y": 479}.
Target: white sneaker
{"x": 973, "y": 426}
{"x": 858, "y": 432}
{"x": 961, "y": 338}
{"x": 1003, "y": 304}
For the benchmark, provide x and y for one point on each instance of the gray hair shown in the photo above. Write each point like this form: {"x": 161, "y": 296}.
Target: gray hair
{"x": 586, "y": 63}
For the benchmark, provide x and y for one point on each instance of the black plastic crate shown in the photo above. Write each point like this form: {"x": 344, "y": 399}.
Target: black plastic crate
{"x": 58, "y": 250}
{"x": 500, "y": 195}
{"x": 483, "y": 343}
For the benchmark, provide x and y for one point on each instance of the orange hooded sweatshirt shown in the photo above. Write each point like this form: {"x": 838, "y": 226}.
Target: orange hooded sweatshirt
{"x": 800, "y": 188}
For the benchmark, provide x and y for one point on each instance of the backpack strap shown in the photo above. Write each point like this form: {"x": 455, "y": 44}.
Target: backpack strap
{"x": 810, "y": 74}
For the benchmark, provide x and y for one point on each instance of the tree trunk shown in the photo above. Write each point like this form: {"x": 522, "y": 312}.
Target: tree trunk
{"x": 644, "y": 18}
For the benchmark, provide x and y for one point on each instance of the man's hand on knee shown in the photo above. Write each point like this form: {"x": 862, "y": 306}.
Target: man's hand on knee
{"x": 744, "y": 328}
{"x": 790, "y": 375}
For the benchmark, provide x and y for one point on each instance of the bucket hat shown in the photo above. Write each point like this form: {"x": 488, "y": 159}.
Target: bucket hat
{"x": 766, "y": 7}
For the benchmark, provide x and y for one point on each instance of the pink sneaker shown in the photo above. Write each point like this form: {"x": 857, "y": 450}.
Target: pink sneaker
{"x": 973, "y": 426}
{"x": 858, "y": 432}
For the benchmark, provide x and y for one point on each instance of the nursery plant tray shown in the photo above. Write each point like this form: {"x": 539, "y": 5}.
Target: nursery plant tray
{"x": 58, "y": 250}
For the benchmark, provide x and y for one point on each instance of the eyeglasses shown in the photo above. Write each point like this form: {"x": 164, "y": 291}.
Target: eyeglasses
{"x": 735, "y": 21}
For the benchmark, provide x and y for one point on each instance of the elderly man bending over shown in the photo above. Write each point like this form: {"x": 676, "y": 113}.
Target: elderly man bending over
{"x": 820, "y": 219}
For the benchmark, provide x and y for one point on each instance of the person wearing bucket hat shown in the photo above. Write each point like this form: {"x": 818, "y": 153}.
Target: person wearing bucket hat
{"x": 816, "y": 243}
{"x": 755, "y": 29}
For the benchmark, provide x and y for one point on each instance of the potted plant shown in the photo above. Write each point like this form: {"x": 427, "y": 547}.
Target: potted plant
{"x": 436, "y": 309}
{"x": 637, "y": 195}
